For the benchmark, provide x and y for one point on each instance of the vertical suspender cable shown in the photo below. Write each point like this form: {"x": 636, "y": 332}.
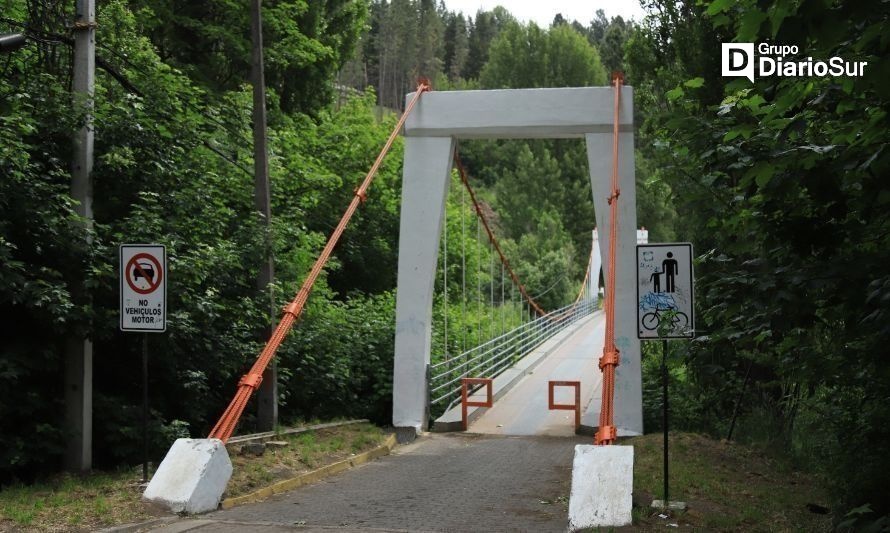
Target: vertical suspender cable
{"x": 463, "y": 272}
{"x": 251, "y": 381}
{"x": 479, "y": 281}
{"x": 491, "y": 289}
{"x": 480, "y": 217}
{"x": 512, "y": 305}
{"x": 445, "y": 278}
{"x": 501, "y": 313}
{"x": 610, "y": 359}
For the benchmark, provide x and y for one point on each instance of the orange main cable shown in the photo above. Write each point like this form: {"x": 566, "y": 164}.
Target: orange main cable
{"x": 607, "y": 432}
{"x": 463, "y": 177}
{"x": 461, "y": 170}
{"x": 251, "y": 381}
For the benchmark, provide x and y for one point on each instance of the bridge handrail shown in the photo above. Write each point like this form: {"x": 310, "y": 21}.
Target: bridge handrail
{"x": 494, "y": 356}
{"x": 527, "y": 325}
{"x": 533, "y": 330}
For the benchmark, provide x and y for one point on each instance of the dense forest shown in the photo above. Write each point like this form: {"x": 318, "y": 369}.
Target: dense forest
{"x": 778, "y": 183}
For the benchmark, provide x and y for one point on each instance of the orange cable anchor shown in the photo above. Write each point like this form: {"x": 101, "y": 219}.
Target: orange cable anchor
{"x": 251, "y": 381}
{"x": 607, "y": 432}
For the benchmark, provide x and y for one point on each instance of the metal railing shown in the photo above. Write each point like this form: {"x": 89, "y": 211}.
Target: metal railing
{"x": 498, "y": 354}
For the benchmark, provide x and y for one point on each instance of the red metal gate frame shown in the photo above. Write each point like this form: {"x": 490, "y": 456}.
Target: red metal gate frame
{"x": 561, "y": 406}
{"x": 465, "y": 402}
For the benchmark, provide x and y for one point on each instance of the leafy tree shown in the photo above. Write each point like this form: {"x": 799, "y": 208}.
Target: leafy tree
{"x": 782, "y": 192}
{"x": 305, "y": 43}
{"x": 611, "y": 46}
{"x": 598, "y": 27}
{"x": 456, "y": 46}
{"x": 483, "y": 31}
{"x": 172, "y": 166}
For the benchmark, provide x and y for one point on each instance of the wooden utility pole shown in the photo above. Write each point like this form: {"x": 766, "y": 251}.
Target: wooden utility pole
{"x": 267, "y": 413}
{"x": 79, "y": 350}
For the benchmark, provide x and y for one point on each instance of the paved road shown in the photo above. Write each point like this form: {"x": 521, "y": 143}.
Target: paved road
{"x": 523, "y": 410}
{"x": 442, "y": 482}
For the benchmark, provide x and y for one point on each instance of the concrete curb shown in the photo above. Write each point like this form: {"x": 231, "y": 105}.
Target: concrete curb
{"x": 451, "y": 420}
{"x": 313, "y": 476}
{"x": 141, "y": 526}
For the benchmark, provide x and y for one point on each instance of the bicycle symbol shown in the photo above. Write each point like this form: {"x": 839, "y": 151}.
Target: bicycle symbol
{"x": 652, "y": 319}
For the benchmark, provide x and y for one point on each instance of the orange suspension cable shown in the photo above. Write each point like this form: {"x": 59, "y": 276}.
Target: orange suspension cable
{"x": 610, "y": 359}
{"x": 584, "y": 281}
{"x": 462, "y": 171}
{"x": 251, "y": 381}
{"x": 463, "y": 177}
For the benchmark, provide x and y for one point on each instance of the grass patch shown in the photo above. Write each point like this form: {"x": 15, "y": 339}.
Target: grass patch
{"x": 305, "y": 452}
{"x": 76, "y": 503}
{"x": 727, "y": 486}
{"x": 104, "y": 499}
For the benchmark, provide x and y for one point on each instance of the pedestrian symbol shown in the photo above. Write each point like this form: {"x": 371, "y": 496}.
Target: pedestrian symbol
{"x": 669, "y": 268}
{"x": 665, "y": 291}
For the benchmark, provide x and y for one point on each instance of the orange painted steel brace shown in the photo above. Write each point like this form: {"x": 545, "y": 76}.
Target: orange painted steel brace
{"x": 607, "y": 433}
{"x": 251, "y": 381}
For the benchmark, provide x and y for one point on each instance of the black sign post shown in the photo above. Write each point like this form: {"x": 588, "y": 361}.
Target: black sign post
{"x": 664, "y": 413}
{"x": 143, "y": 309}
{"x": 665, "y": 299}
{"x": 145, "y": 407}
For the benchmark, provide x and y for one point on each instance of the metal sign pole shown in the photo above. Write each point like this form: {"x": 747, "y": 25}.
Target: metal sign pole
{"x": 666, "y": 295}
{"x": 145, "y": 407}
{"x": 664, "y": 392}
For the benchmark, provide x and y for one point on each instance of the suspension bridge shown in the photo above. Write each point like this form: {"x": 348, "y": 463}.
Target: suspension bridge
{"x": 520, "y": 369}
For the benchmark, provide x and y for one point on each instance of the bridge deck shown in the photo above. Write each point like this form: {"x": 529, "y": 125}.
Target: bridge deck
{"x": 523, "y": 410}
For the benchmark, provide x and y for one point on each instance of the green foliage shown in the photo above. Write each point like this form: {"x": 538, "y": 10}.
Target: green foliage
{"x": 339, "y": 361}
{"x": 305, "y": 43}
{"x": 527, "y": 56}
{"x": 784, "y": 196}
{"x": 173, "y": 159}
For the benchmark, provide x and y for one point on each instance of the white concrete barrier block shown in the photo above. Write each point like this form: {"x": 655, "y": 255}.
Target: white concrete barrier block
{"x": 192, "y": 477}
{"x": 602, "y": 486}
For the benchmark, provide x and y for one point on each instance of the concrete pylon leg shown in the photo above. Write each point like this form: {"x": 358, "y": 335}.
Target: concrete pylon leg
{"x": 628, "y": 378}
{"x": 424, "y": 187}
{"x": 596, "y": 265}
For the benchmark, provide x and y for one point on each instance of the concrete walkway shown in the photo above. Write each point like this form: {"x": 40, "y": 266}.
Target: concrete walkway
{"x": 523, "y": 410}
{"x": 442, "y": 482}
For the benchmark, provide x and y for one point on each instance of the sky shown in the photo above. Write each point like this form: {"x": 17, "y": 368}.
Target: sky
{"x": 543, "y": 11}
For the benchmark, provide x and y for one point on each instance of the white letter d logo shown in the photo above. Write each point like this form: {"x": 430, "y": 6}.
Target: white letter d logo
{"x": 737, "y": 59}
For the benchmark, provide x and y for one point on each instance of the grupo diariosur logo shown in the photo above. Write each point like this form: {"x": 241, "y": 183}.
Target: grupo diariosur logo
{"x": 739, "y": 59}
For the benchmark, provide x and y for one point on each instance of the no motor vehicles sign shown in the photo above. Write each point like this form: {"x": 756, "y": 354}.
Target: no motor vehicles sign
{"x": 143, "y": 269}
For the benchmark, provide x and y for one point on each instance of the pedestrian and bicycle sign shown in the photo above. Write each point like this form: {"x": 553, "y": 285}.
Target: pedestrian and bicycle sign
{"x": 665, "y": 291}
{"x": 143, "y": 272}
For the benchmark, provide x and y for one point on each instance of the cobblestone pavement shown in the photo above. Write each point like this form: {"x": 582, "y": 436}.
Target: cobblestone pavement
{"x": 442, "y": 482}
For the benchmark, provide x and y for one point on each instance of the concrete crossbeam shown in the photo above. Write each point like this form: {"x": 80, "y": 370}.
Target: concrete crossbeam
{"x": 519, "y": 113}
